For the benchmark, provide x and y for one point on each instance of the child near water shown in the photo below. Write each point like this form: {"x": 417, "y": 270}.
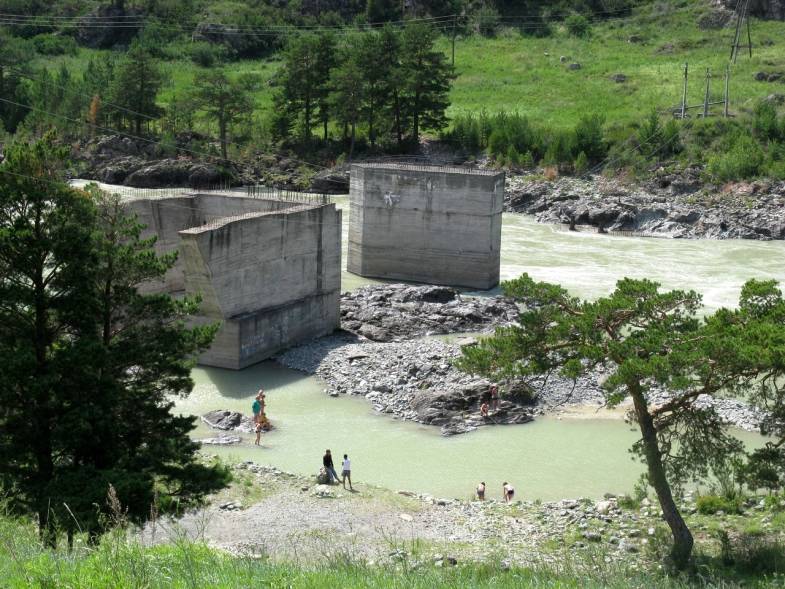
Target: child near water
{"x": 258, "y": 432}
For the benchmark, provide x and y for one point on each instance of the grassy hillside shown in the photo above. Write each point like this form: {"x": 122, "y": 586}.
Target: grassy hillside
{"x": 513, "y": 71}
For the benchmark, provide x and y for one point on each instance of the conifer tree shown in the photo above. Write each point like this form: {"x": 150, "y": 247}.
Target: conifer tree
{"x": 646, "y": 340}
{"x": 89, "y": 362}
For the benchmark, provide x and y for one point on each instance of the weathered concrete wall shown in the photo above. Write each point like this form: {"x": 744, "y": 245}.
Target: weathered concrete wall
{"x": 166, "y": 217}
{"x": 273, "y": 278}
{"x": 426, "y": 224}
{"x": 267, "y": 270}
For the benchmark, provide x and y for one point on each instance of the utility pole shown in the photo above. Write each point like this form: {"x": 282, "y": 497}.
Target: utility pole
{"x": 454, "y": 29}
{"x": 727, "y": 89}
{"x": 742, "y": 14}
{"x": 684, "y": 94}
{"x": 706, "y": 99}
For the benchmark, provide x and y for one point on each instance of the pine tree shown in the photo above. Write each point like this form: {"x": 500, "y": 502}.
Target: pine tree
{"x": 222, "y": 101}
{"x": 377, "y": 55}
{"x": 135, "y": 88}
{"x": 648, "y": 340}
{"x": 427, "y": 77}
{"x": 303, "y": 81}
{"x": 348, "y": 92}
{"x": 89, "y": 362}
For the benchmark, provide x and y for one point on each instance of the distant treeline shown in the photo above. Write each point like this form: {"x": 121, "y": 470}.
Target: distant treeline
{"x": 252, "y": 28}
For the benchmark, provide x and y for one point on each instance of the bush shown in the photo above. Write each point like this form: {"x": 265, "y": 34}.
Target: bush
{"x": 711, "y": 504}
{"x": 54, "y": 45}
{"x": 744, "y": 159}
{"x": 581, "y": 163}
{"x": 486, "y": 20}
{"x": 756, "y": 554}
{"x": 577, "y": 25}
{"x": 764, "y": 123}
{"x": 206, "y": 54}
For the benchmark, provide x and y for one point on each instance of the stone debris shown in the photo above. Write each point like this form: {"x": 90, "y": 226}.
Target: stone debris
{"x": 676, "y": 205}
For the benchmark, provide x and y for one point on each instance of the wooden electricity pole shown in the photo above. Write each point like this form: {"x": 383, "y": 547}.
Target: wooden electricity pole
{"x": 742, "y": 15}
{"x": 454, "y": 29}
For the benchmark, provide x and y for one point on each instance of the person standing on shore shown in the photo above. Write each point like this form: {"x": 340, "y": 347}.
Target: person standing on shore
{"x": 481, "y": 491}
{"x": 256, "y": 407}
{"x": 346, "y": 472}
{"x": 258, "y": 433}
{"x": 494, "y": 398}
{"x": 327, "y": 462}
{"x": 507, "y": 492}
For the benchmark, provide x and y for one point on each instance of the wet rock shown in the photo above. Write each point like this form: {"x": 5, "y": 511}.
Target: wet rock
{"x": 220, "y": 440}
{"x": 229, "y": 421}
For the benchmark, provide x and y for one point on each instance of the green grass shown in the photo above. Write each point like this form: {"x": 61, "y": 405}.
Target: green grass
{"x": 122, "y": 562}
{"x": 513, "y": 72}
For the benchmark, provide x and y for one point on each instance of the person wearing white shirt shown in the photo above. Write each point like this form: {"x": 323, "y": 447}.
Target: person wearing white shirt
{"x": 346, "y": 472}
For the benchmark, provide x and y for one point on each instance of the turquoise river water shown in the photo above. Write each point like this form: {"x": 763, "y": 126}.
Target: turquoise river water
{"x": 551, "y": 458}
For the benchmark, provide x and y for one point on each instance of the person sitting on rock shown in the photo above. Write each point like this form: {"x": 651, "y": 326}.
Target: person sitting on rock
{"x": 507, "y": 492}
{"x": 481, "y": 491}
{"x": 329, "y": 468}
{"x": 484, "y": 409}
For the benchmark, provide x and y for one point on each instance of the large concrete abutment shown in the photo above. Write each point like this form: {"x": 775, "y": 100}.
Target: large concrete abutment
{"x": 268, "y": 270}
{"x": 433, "y": 224}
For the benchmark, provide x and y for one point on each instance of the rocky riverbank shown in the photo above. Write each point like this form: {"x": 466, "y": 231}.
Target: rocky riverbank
{"x": 392, "y": 312}
{"x": 670, "y": 205}
{"x": 413, "y": 378}
{"x": 271, "y": 513}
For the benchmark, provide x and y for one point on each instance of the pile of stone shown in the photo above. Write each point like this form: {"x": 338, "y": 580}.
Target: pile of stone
{"x": 671, "y": 205}
{"x": 392, "y": 312}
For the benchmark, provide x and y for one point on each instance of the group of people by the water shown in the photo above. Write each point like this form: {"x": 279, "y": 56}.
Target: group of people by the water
{"x": 259, "y": 417}
{"x": 490, "y": 402}
{"x": 346, "y": 469}
{"x": 508, "y": 492}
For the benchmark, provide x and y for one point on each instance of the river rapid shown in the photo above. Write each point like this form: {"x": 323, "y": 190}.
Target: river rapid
{"x": 585, "y": 453}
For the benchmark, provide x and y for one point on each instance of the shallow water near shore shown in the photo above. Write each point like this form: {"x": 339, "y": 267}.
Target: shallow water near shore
{"x": 546, "y": 459}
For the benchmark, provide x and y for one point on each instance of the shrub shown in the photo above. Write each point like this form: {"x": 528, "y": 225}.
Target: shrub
{"x": 486, "y": 20}
{"x": 711, "y": 504}
{"x": 757, "y": 554}
{"x": 54, "y": 45}
{"x": 577, "y": 25}
{"x": 513, "y": 157}
{"x": 764, "y": 122}
{"x": 581, "y": 163}
{"x": 744, "y": 159}
{"x": 207, "y": 54}
{"x": 589, "y": 138}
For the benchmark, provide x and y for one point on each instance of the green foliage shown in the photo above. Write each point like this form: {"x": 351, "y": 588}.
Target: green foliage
{"x": 207, "y": 55}
{"x": 578, "y": 25}
{"x": 503, "y": 131}
{"x": 92, "y": 363}
{"x": 486, "y": 20}
{"x": 222, "y": 101}
{"x": 765, "y": 468}
{"x": 581, "y": 163}
{"x": 135, "y": 86}
{"x": 711, "y": 504}
{"x": 744, "y": 158}
{"x": 646, "y": 338}
{"x": 381, "y": 11}
{"x": 54, "y": 45}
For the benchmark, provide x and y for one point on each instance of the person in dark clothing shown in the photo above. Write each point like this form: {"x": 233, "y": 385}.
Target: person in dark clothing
{"x": 327, "y": 462}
